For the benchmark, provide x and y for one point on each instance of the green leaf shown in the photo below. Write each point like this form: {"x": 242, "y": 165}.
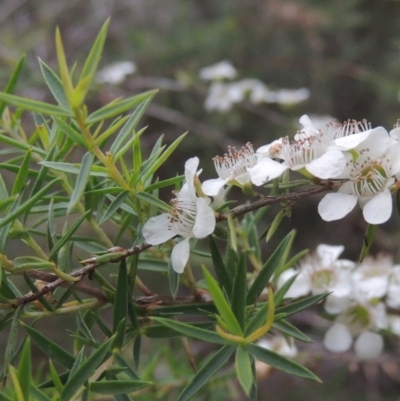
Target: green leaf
{"x": 34, "y": 289}
{"x": 191, "y": 331}
{"x": 153, "y": 200}
{"x": 12, "y": 83}
{"x": 81, "y": 180}
{"x": 28, "y": 204}
{"x": 243, "y": 369}
{"x": 95, "y": 171}
{"x": 368, "y": 240}
{"x": 24, "y": 370}
{"x": 298, "y": 306}
{"x": 130, "y": 125}
{"x": 118, "y": 107}
{"x": 280, "y": 362}
{"x": 275, "y": 224}
{"x": 160, "y": 160}
{"x": 221, "y": 304}
{"x": 203, "y": 376}
{"x": 121, "y": 300}
{"x": 114, "y": 206}
{"x": 22, "y": 263}
{"x": 21, "y": 145}
{"x": 263, "y": 277}
{"x": 66, "y": 237}
{"x": 54, "y": 84}
{"x": 50, "y": 348}
{"x": 280, "y": 293}
{"x": 165, "y": 183}
{"x": 56, "y": 379}
{"x": 160, "y": 331}
{"x": 92, "y": 61}
{"x": 289, "y": 330}
{"x": 86, "y": 369}
{"x": 223, "y": 274}
{"x": 118, "y": 386}
{"x": 70, "y": 132}
{"x": 62, "y": 63}
{"x": 12, "y": 341}
{"x": 173, "y": 277}
{"x": 34, "y": 105}
{"x": 238, "y": 298}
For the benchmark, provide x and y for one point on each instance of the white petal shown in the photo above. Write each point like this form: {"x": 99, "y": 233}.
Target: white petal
{"x": 155, "y": 230}
{"x": 330, "y": 165}
{"x": 338, "y": 338}
{"x": 379, "y": 208}
{"x": 266, "y": 170}
{"x": 205, "y": 219}
{"x": 307, "y": 124}
{"x": 368, "y": 345}
{"x": 327, "y": 254}
{"x": 243, "y": 178}
{"x": 212, "y": 187}
{"x": 300, "y": 287}
{"x": 334, "y": 304}
{"x": 335, "y": 206}
{"x": 180, "y": 255}
{"x": 190, "y": 171}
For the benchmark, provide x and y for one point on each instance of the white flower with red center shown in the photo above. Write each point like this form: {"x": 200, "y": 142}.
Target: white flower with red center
{"x": 369, "y": 179}
{"x": 231, "y": 169}
{"x": 191, "y": 217}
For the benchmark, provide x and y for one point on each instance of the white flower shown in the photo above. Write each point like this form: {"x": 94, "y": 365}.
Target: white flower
{"x": 280, "y": 345}
{"x": 231, "y": 168}
{"x": 221, "y": 97}
{"x": 287, "y": 96}
{"x": 221, "y": 70}
{"x": 255, "y": 89}
{"x": 319, "y": 273}
{"x": 370, "y": 177}
{"x": 115, "y": 73}
{"x": 191, "y": 217}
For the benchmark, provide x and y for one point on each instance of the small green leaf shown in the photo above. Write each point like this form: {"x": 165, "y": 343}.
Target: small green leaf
{"x": 280, "y": 362}
{"x": 173, "y": 277}
{"x": 50, "y": 348}
{"x": 12, "y": 83}
{"x": 22, "y": 263}
{"x": 165, "y": 183}
{"x": 81, "y": 180}
{"x": 153, "y": 200}
{"x": 275, "y": 224}
{"x": 114, "y": 206}
{"x": 68, "y": 130}
{"x": 21, "y": 145}
{"x": 24, "y": 370}
{"x": 112, "y": 387}
{"x": 160, "y": 331}
{"x": 223, "y": 274}
{"x": 66, "y": 237}
{"x": 243, "y": 369}
{"x": 95, "y": 171}
{"x": 56, "y": 379}
{"x": 118, "y": 107}
{"x": 62, "y": 63}
{"x": 298, "y": 306}
{"x": 12, "y": 341}
{"x": 20, "y": 180}
{"x": 34, "y": 105}
{"x": 188, "y": 330}
{"x": 203, "y": 376}
{"x": 54, "y": 84}
{"x": 130, "y": 125}
{"x": 263, "y": 277}
{"x": 86, "y": 369}
{"x": 221, "y": 304}
{"x": 289, "y": 330}
{"x": 368, "y": 240}
{"x": 121, "y": 299}
{"x": 238, "y": 298}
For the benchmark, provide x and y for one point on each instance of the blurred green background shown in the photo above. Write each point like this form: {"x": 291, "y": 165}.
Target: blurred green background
{"x": 346, "y": 52}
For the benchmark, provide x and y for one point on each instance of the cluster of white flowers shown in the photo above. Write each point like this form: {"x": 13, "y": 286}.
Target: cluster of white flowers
{"x": 360, "y": 295}
{"x": 223, "y": 95}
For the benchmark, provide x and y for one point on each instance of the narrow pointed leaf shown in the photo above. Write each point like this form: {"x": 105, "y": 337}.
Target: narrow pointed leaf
{"x": 24, "y": 370}
{"x": 12, "y": 341}
{"x": 50, "y": 348}
{"x": 368, "y": 240}
{"x": 70, "y": 132}
{"x": 86, "y": 369}
{"x": 288, "y": 329}
{"x": 173, "y": 278}
{"x": 81, "y": 180}
{"x": 34, "y": 105}
{"x": 243, "y": 369}
{"x": 188, "y": 330}
{"x": 112, "y": 387}
{"x": 298, "y": 306}
{"x": 221, "y": 304}
{"x": 153, "y": 200}
{"x": 223, "y": 275}
{"x": 263, "y": 277}
{"x": 130, "y": 125}
{"x": 238, "y": 298}
{"x": 114, "y": 206}
{"x": 119, "y": 107}
{"x": 280, "y": 362}
{"x": 203, "y": 376}
{"x": 121, "y": 300}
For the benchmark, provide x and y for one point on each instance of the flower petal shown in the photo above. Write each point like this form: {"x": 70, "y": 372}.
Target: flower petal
{"x": 265, "y": 170}
{"x": 330, "y": 165}
{"x": 212, "y": 187}
{"x": 327, "y": 254}
{"x": 205, "y": 219}
{"x": 338, "y": 338}
{"x": 368, "y": 345}
{"x": 335, "y": 206}
{"x": 156, "y": 231}
{"x": 180, "y": 255}
{"x": 190, "y": 171}
{"x": 379, "y": 208}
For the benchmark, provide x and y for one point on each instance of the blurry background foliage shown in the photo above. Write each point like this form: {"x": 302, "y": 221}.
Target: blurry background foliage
{"x": 346, "y": 52}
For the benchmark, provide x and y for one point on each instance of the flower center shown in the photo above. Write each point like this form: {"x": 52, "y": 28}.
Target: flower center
{"x": 369, "y": 180}
{"x": 235, "y": 162}
{"x": 322, "y": 278}
{"x": 358, "y": 317}
{"x": 183, "y": 215}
